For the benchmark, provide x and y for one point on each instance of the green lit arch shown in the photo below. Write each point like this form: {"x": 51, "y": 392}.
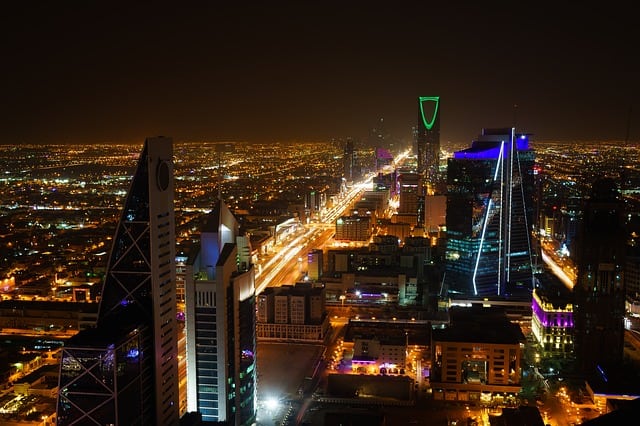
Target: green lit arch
{"x": 429, "y": 123}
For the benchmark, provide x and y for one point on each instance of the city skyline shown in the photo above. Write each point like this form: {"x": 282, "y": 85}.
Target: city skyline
{"x": 57, "y": 209}
{"x": 96, "y": 73}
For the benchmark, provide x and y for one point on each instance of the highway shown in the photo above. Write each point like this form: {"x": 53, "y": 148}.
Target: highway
{"x": 562, "y": 267}
{"x": 289, "y": 263}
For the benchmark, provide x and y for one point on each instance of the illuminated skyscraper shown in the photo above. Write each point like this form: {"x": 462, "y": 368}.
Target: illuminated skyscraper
{"x": 383, "y": 158}
{"x": 220, "y": 321}
{"x": 410, "y": 190}
{"x": 351, "y": 171}
{"x": 488, "y": 216}
{"x": 435, "y": 213}
{"x": 427, "y": 138}
{"x": 125, "y": 371}
{"x": 600, "y": 289}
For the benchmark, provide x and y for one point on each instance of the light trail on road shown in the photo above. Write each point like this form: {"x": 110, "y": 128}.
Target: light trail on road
{"x": 558, "y": 271}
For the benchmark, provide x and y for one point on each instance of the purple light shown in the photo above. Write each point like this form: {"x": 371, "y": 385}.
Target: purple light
{"x": 475, "y": 154}
{"x": 548, "y": 319}
{"x": 355, "y": 361}
{"x": 383, "y": 154}
{"x": 371, "y": 295}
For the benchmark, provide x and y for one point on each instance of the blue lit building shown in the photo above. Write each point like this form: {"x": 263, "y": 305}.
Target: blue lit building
{"x": 220, "y": 323}
{"x": 489, "y": 215}
{"x": 125, "y": 371}
{"x": 350, "y": 161}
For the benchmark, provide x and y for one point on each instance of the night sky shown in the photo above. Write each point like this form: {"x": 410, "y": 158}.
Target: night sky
{"x": 93, "y": 72}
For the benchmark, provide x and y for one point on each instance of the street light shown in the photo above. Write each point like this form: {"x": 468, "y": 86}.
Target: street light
{"x": 272, "y": 404}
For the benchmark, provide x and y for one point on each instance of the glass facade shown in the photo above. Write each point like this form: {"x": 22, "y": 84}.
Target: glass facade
{"x": 490, "y": 189}
{"x": 207, "y": 363}
{"x": 104, "y": 383}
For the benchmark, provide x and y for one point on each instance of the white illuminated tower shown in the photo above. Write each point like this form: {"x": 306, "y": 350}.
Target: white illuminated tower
{"x": 220, "y": 323}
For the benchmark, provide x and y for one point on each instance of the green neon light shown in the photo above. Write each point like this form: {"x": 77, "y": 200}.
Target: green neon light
{"x": 436, "y": 99}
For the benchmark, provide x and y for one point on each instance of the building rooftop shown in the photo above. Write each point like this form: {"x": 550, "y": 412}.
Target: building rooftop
{"x": 627, "y": 414}
{"x": 480, "y": 325}
{"x": 521, "y": 416}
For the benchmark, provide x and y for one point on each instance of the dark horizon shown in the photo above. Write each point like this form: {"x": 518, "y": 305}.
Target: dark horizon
{"x": 311, "y": 71}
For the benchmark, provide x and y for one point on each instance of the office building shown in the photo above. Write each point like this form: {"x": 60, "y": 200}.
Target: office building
{"x": 600, "y": 286}
{"x": 427, "y": 139}
{"x": 350, "y": 161}
{"x": 125, "y": 370}
{"x": 435, "y": 213}
{"x": 478, "y": 357}
{"x": 410, "y": 194}
{"x": 353, "y": 228}
{"x": 552, "y": 321}
{"x": 292, "y": 313}
{"x": 632, "y": 271}
{"x": 489, "y": 189}
{"x": 220, "y": 323}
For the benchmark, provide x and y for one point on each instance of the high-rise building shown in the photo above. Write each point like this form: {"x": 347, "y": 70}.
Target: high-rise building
{"x": 383, "y": 158}
{"x": 353, "y": 228}
{"x": 489, "y": 191}
{"x": 427, "y": 138}
{"x": 351, "y": 170}
{"x": 410, "y": 189}
{"x": 435, "y": 213}
{"x": 220, "y": 323}
{"x": 125, "y": 370}
{"x": 600, "y": 286}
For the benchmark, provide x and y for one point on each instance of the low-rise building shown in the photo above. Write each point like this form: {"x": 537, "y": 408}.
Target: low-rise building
{"x": 477, "y": 357}
{"x": 292, "y": 313}
{"x": 552, "y": 322}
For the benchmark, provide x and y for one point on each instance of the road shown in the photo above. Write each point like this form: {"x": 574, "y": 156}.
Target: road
{"x": 289, "y": 263}
{"x": 561, "y": 266}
